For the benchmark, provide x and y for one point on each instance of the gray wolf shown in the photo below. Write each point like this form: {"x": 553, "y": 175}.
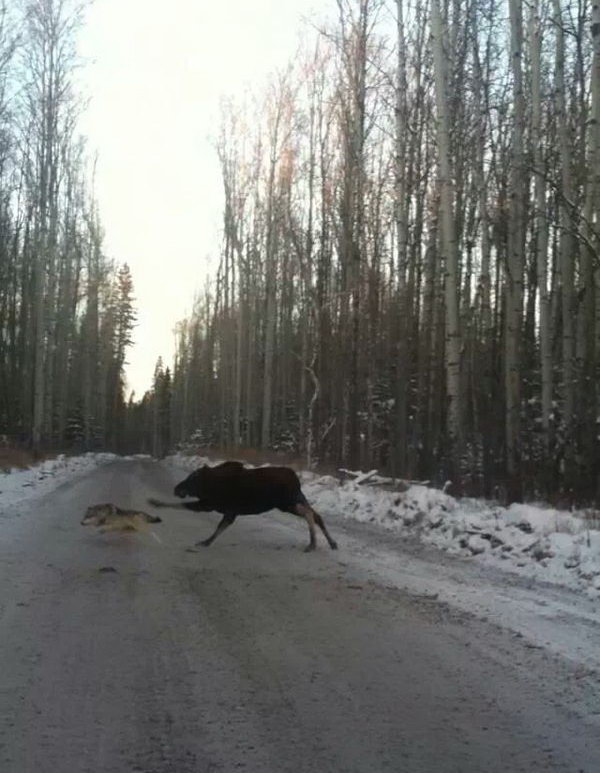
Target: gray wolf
{"x": 109, "y": 517}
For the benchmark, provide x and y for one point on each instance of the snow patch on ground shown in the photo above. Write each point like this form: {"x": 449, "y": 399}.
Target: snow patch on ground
{"x": 532, "y": 540}
{"x": 18, "y": 485}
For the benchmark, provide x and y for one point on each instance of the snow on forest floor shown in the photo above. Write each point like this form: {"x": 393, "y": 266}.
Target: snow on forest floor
{"x": 533, "y": 540}
{"x": 18, "y": 485}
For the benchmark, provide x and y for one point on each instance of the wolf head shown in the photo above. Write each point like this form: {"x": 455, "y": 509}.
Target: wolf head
{"x": 97, "y": 514}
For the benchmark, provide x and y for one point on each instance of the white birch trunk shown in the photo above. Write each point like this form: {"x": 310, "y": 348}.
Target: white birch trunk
{"x": 448, "y": 237}
{"x": 566, "y": 241}
{"x": 541, "y": 222}
{"x": 515, "y": 260}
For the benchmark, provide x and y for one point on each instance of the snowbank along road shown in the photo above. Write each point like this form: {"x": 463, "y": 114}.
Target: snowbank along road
{"x": 126, "y": 653}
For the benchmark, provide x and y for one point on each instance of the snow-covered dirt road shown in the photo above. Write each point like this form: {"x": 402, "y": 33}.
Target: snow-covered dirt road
{"x": 127, "y": 653}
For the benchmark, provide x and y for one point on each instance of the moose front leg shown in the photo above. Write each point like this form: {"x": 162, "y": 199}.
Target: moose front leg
{"x": 196, "y": 507}
{"x": 225, "y": 523}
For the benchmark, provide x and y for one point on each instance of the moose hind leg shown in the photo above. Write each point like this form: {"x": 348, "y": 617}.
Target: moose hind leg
{"x": 225, "y": 522}
{"x": 321, "y": 524}
{"x": 307, "y": 512}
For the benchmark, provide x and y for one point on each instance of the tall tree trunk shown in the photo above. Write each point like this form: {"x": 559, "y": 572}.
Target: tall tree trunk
{"x": 515, "y": 261}
{"x": 541, "y": 224}
{"x": 448, "y": 245}
{"x": 567, "y": 252}
{"x": 401, "y": 217}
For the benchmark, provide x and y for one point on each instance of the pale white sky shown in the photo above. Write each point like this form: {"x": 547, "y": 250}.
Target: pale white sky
{"x": 155, "y": 74}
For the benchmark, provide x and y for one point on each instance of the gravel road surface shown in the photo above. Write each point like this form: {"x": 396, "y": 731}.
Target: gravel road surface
{"x": 127, "y": 653}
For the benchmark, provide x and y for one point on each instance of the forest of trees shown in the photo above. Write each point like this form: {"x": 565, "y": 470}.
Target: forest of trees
{"x": 66, "y": 311}
{"x": 409, "y": 276}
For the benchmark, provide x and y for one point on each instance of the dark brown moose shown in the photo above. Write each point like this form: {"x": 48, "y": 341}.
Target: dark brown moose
{"x": 231, "y": 489}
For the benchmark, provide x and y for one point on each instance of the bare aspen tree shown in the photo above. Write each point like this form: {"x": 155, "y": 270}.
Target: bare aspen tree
{"x": 566, "y": 244}
{"x": 541, "y": 220}
{"x": 448, "y": 235}
{"x": 590, "y": 277}
{"x": 515, "y": 258}
{"x": 230, "y": 150}
{"x": 91, "y": 348}
{"x": 50, "y": 28}
{"x": 401, "y": 217}
{"x": 593, "y": 186}
{"x": 482, "y": 76}
{"x": 355, "y": 29}
{"x": 273, "y": 226}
